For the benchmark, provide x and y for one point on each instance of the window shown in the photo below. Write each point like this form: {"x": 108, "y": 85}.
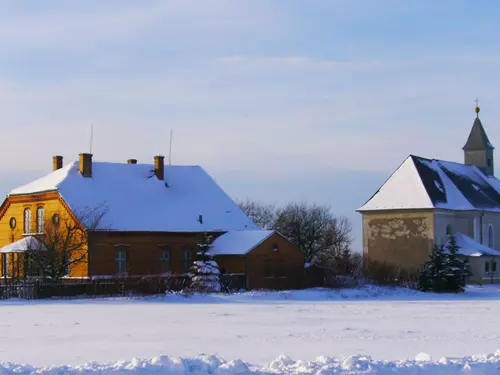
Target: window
{"x": 27, "y": 221}
{"x": 40, "y": 219}
{"x": 268, "y": 271}
{"x": 449, "y": 230}
{"x": 55, "y": 220}
{"x": 491, "y": 241}
{"x": 489, "y": 163}
{"x": 281, "y": 271}
{"x": 121, "y": 262}
{"x": 164, "y": 259}
{"x": 477, "y": 236}
{"x": 493, "y": 266}
{"x": 66, "y": 262}
{"x": 487, "y": 267}
{"x": 4, "y": 265}
{"x": 12, "y": 222}
{"x": 187, "y": 260}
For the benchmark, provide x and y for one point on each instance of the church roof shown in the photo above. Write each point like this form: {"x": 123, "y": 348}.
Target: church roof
{"x": 189, "y": 200}
{"x": 478, "y": 140}
{"x": 421, "y": 183}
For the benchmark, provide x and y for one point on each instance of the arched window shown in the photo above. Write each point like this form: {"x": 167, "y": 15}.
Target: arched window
{"x": 491, "y": 239}
{"x": 40, "y": 219}
{"x": 27, "y": 220}
{"x": 449, "y": 230}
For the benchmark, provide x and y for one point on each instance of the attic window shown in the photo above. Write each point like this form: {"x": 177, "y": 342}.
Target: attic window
{"x": 439, "y": 186}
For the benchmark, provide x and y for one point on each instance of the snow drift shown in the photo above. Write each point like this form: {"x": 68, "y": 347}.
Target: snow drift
{"x": 212, "y": 365}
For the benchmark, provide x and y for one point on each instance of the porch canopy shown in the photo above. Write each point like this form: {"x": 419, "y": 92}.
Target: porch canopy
{"x": 27, "y": 243}
{"x": 471, "y": 248}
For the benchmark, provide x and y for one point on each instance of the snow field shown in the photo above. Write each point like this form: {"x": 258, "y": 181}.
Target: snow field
{"x": 256, "y": 327}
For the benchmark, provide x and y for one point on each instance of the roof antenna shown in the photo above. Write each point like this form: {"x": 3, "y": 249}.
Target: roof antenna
{"x": 91, "y": 136}
{"x": 170, "y": 148}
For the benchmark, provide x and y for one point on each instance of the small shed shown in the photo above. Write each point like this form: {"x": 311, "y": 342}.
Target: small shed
{"x": 482, "y": 260}
{"x": 266, "y": 258}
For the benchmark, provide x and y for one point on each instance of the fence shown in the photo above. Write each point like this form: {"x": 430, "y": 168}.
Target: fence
{"x": 109, "y": 287}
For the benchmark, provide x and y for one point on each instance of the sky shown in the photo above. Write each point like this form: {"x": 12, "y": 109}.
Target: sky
{"x": 279, "y": 100}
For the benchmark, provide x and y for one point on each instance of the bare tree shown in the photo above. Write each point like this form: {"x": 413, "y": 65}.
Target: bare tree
{"x": 315, "y": 230}
{"x": 63, "y": 243}
{"x": 264, "y": 215}
{"x": 324, "y": 238}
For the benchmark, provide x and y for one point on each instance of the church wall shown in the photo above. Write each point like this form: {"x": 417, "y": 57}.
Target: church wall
{"x": 459, "y": 221}
{"x": 491, "y": 219}
{"x": 403, "y": 238}
{"x": 478, "y": 270}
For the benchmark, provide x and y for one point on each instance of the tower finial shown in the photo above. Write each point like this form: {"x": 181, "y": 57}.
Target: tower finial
{"x": 477, "y": 109}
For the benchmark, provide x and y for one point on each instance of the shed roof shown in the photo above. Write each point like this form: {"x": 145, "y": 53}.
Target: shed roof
{"x": 472, "y": 248}
{"x": 239, "y": 242}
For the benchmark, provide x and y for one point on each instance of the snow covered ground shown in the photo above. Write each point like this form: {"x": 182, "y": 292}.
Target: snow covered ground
{"x": 384, "y": 323}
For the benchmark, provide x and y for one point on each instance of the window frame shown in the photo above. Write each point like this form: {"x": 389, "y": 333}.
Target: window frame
{"x": 491, "y": 236}
{"x": 165, "y": 263}
{"x": 27, "y": 220}
{"x": 40, "y": 219}
{"x": 121, "y": 261}
{"x": 186, "y": 262}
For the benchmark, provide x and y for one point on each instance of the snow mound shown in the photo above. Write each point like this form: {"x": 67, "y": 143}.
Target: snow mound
{"x": 213, "y": 365}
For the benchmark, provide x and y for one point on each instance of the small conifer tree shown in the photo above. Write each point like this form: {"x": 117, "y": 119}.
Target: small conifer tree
{"x": 456, "y": 269}
{"x": 445, "y": 271}
{"x": 204, "y": 273}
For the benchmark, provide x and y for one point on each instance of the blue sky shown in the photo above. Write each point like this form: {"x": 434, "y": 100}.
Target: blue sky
{"x": 278, "y": 100}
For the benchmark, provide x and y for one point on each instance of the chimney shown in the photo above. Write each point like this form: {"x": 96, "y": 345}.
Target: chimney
{"x": 132, "y": 161}
{"x": 86, "y": 165}
{"x": 159, "y": 167}
{"x": 57, "y": 162}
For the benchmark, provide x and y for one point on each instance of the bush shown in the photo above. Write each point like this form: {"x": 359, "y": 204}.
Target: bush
{"x": 384, "y": 273}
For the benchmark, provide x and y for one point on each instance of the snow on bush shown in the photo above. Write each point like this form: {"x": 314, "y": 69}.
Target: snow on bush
{"x": 212, "y": 365}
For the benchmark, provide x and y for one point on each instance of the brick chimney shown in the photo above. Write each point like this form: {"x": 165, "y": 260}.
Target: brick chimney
{"x": 86, "y": 165}
{"x": 159, "y": 167}
{"x": 132, "y": 161}
{"x": 57, "y": 162}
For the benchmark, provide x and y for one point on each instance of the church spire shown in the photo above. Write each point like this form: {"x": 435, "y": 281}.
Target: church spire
{"x": 478, "y": 150}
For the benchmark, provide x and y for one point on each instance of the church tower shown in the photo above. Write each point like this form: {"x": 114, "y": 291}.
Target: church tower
{"x": 478, "y": 150}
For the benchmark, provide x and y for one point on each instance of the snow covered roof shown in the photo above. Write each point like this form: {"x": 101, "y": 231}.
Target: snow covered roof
{"x": 188, "y": 200}
{"x": 22, "y": 245}
{"x": 239, "y": 242}
{"x": 421, "y": 183}
{"x": 472, "y": 248}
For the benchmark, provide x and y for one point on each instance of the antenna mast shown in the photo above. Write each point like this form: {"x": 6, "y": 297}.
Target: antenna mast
{"x": 170, "y": 148}
{"x": 91, "y": 136}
